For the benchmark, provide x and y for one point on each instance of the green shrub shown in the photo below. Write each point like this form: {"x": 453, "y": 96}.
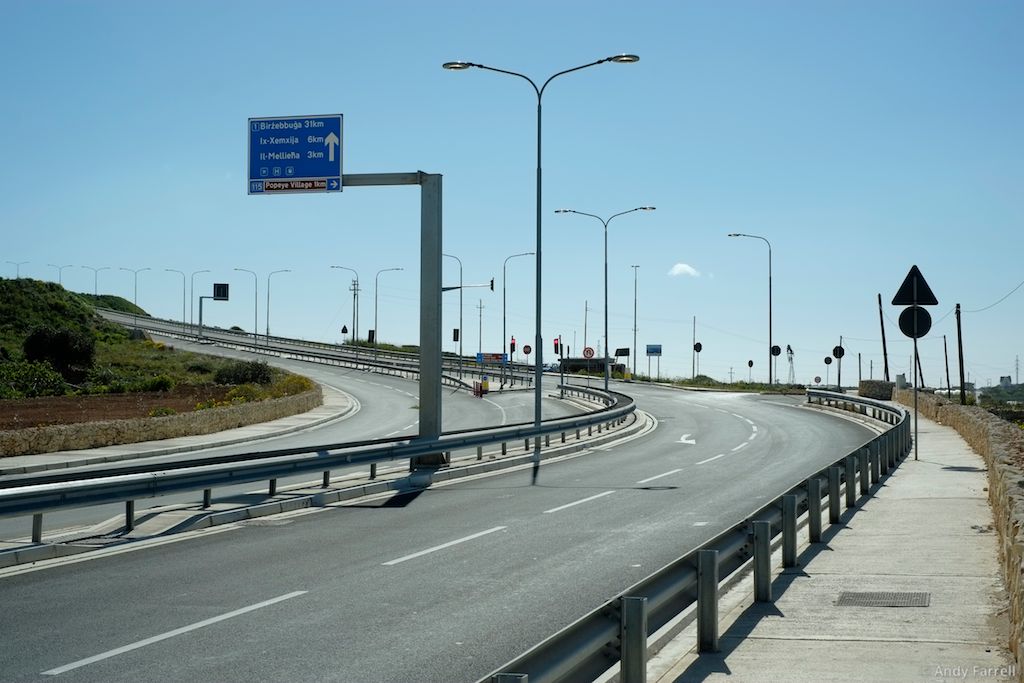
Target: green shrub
{"x": 244, "y": 372}
{"x": 24, "y": 379}
{"x": 69, "y": 351}
{"x": 291, "y": 385}
{"x": 162, "y": 411}
{"x": 158, "y": 383}
{"x": 199, "y": 367}
{"x": 245, "y": 393}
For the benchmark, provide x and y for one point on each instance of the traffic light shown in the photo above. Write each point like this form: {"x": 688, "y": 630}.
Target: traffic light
{"x": 492, "y": 284}
{"x": 371, "y": 336}
{"x": 512, "y": 346}
{"x": 556, "y": 347}
{"x": 455, "y": 334}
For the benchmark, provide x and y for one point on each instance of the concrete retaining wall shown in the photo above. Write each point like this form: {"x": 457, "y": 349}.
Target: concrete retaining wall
{"x": 112, "y": 432}
{"x": 1001, "y": 444}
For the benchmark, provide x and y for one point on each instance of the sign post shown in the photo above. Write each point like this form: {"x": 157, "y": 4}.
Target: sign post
{"x": 915, "y": 321}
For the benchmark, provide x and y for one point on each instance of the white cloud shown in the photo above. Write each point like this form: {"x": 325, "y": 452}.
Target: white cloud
{"x": 683, "y": 269}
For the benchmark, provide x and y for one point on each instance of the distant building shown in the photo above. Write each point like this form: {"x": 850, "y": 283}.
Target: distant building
{"x": 1006, "y": 382}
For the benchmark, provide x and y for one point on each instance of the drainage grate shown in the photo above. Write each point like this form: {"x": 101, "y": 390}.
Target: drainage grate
{"x": 883, "y": 599}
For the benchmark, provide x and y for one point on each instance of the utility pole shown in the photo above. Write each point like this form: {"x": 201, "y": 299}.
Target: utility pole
{"x": 730, "y": 375}
{"x": 960, "y": 345}
{"x": 885, "y": 351}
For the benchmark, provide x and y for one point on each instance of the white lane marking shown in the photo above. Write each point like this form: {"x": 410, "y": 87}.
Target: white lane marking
{"x": 659, "y": 476}
{"x": 739, "y": 416}
{"x": 749, "y": 421}
{"x": 685, "y": 438}
{"x": 720, "y": 455}
{"x": 753, "y": 428}
{"x": 504, "y": 418}
{"x": 449, "y": 544}
{"x": 700, "y": 523}
{"x": 742, "y": 445}
{"x": 169, "y": 634}
{"x": 403, "y": 429}
{"x": 585, "y": 500}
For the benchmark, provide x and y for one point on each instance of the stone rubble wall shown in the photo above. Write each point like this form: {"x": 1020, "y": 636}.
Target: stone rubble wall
{"x": 85, "y": 435}
{"x": 1001, "y": 445}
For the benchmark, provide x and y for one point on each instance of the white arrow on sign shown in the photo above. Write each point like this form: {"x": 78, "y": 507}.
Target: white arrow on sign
{"x": 687, "y": 440}
{"x": 331, "y": 141}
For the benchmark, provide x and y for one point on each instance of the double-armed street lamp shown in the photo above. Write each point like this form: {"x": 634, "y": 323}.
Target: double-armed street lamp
{"x": 605, "y": 222}
{"x": 17, "y": 268}
{"x": 504, "y": 333}
{"x": 355, "y": 301}
{"x": 96, "y": 278}
{"x": 60, "y": 272}
{"x": 135, "y": 295}
{"x": 633, "y": 361}
{"x": 539, "y": 346}
{"x": 267, "y": 312}
{"x": 460, "y": 309}
{"x": 376, "y": 290}
{"x": 758, "y": 237}
{"x": 255, "y": 304}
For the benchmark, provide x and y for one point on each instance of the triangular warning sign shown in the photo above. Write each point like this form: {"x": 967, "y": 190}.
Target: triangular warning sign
{"x": 914, "y": 284}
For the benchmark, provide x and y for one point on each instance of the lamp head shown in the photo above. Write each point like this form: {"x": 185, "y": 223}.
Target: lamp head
{"x": 624, "y": 59}
{"x": 647, "y": 208}
{"x": 456, "y": 66}
{"x": 564, "y": 211}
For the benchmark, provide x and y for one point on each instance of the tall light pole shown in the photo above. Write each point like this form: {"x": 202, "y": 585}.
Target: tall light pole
{"x": 191, "y": 294}
{"x": 255, "y": 304}
{"x": 355, "y": 300}
{"x": 635, "y": 358}
{"x": 538, "y": 342}
{"x": 376, "y": 290}
{"x": 60, "y": 272}
{"x": 460, "y": 310}
{"x": 267, "y": 312}
{"x": 17, "y": 268}
{"x": 758, "y": 237}
{"x": 504, "y": 333}
{"x": 172, "y": 270}
{"x": 135, "y": 295}
{"x": 605, "y": 222}
{"x": 96, "y": 278}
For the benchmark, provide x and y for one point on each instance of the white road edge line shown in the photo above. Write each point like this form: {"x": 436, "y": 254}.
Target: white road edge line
{"x": 442, "y": 546}
{"x": 169, "y": 634}
{"x": 659, "y": 476}
{"x": 720, "y": 455}
{"x": 585, "y": 500}
{"x": 740, "y": 446}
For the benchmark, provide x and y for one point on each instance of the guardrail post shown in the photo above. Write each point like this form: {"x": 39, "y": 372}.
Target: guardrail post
{"x": 599, "y": 426}
{"x": 327, "y": 479}
{"x": 883, "y": 454}
{"x": 814, "y": 509}
{"x": 873, "y": 456}
{"x": 504, "y": 448}
{"x": 479, "y": 452}
{"x": 833, "y": 495}
{"x": 707, "y": 601}
{"x": 633, "y": 635}
{"x": 526, "y": 444}
{"x": 37, "y": 528}
{"x": 762, "y": 561}
{"x": 563, "y": 437}
{"x": 851, "y": 481}
{"x": 862, "y": 458}
{"x": 129, "y": 515}
{"x": 590, "y": 430}
{"x": 373, "y": 470}
{"x": 547, "y": 440}
{"x": 207, "y": 498}
{"x": 789, "y": 531}
{"x": 577, "y": 434}
{"x": 272, "y": 489}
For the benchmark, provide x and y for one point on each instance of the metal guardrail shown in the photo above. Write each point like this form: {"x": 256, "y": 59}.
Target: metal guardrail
{"x": 618, "y": 630}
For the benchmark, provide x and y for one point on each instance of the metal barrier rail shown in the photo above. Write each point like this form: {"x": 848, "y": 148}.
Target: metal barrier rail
{"x": 617, "y": 631}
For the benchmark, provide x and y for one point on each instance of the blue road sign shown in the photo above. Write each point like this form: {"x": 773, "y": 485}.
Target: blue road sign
{"x": 295, "y": 154}
{"x": 654, "y": 349}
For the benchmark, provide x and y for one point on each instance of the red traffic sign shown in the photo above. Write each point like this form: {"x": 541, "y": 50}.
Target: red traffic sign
{"x": 588, "y": 352}
{"x": 914, "y": 291}
{"x": 915, "y": 322}
{"x": 527, "y": 348}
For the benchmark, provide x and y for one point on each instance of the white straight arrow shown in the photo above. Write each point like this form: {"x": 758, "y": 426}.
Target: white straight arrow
{"x": 331, "y": 141}
{"x": 687, "y": 440}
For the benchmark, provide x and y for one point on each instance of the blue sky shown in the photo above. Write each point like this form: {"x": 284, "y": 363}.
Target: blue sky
{"x": 859, "y": 137}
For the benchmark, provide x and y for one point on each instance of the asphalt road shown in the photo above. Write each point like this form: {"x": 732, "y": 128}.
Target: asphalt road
{"x": 440, "y": 586}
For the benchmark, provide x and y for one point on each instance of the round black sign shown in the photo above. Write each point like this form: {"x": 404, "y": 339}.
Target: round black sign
{"x": 750, "y": 363}
{"x": 828, "y": 360}
{"x": 697, "y": 347}
{"x": 907, "y": 321}
{"x": 776, "y": 350}
{"x": 838, "y": 351}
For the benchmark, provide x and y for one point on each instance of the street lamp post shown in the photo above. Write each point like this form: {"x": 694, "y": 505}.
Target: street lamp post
{"x": 504, "y": 333}
{"x": 376, "y": 289}
{"x": 460, "y": 310}
{"x": 172, "y": 270}
{"x": 758, "y": 237}
{"x": 17, "y": 268}
{"x": 135, "y": 294}
{"x": 60, "y": 272}
{"x": 96, "y": 278}
{"x": 191, "y": 294}
{"x": 355, "y": 300}
{"x": 255, "y": 304}
{"x": 605, "y": 222}
{"x": 539, "y": 369}
{"x": 267, "y": 312}
{"x": 635, "y": 358}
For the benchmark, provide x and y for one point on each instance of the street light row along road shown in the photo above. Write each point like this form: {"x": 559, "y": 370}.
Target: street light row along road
{"x": 384, "y": 590}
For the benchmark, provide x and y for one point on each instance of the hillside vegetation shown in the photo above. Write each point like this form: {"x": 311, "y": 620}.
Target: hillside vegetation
{"x": 52, "y": 343}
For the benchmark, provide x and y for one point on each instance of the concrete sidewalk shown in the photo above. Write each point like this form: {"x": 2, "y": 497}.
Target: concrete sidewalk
{"x": 336, "y": 404}
{"x": 926, "y": 528}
